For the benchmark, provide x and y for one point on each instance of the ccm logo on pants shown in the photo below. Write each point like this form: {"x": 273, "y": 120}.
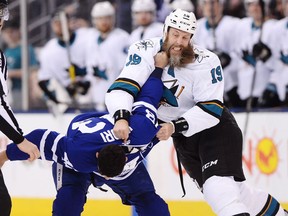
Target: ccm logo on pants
{"x": 209, "y": 164}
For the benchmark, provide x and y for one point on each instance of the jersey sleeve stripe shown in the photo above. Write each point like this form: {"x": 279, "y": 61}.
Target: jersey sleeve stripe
{"x": 54, "y": 147}
{"x": 9, "y": 125}
{"x": 3, "y": 71}
{"x": 42, "y": 144}
{"x": 127, "y": 85}
{"x": 4, "y": 65}
{"x": 1, "y": 89}
{"x": 214, "y": 108}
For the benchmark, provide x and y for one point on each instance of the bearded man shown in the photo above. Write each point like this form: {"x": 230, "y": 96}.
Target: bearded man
{"x": 205, "y": 133}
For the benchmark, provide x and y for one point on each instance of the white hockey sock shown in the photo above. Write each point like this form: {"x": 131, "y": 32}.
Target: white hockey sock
{"x": 223, "y": 195}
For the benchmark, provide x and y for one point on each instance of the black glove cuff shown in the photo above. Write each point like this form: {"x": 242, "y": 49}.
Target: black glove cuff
{"x": 121, "y": 114}
{"x": 180, "y": 125}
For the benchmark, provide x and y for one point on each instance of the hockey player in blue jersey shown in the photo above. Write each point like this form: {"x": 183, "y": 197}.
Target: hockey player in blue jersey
{"x": 90, "y": 136}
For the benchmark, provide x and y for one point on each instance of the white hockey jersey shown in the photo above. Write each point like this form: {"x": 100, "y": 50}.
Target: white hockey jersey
{"x": 248, "y": 35}
{"x": 105, "y": 59}
{"x": 279, "y": 76}
{"x": 194, "y": 92}
{"x": 155, "y": 29}
{"x": 220, "y": 39}
{"x": 54, "y": 61}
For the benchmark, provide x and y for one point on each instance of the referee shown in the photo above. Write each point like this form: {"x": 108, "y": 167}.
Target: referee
{"x": 8, "y": 123}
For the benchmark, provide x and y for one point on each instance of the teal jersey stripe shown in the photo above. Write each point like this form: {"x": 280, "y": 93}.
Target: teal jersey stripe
{"x": 214, "y": 108}
{"x": 273, "y": 208}
{"x": 125, "y": 86}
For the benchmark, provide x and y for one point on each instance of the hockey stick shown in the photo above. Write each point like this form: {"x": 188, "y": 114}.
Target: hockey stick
{"x": 66, "y": 39}
{"x": 250, "y": 98}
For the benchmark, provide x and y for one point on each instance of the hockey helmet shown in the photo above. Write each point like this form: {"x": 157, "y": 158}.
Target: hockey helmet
{"x": 143, "y": 6}
{"x": 183, "y": 4}
{"x": 102, "y": 9}
{"x": 182, "y": 20}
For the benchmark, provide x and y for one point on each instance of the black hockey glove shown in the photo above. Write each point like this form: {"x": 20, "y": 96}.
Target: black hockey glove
{"x": 270, "y": 97}
{"x": 100, "y": 73}
{"x": 78, "y": 71}
{"x": 261, "y": 51}
{"x": 83, "y": 87}
{"x": 51, "y": 95}
{"x": 71, "y": 89}
{"x": 250, "y": 59}
{"x": 284, "y": 58}
{"x": 225, "y": 59}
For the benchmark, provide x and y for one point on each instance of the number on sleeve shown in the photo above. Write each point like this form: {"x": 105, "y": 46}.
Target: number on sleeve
{"x": 216, "y": 74}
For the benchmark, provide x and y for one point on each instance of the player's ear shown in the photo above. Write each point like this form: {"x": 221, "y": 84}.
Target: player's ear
{"x": 97, "y": 154}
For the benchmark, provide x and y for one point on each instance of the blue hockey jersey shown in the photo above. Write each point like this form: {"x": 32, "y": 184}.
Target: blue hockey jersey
{"x": 89, "y": 132}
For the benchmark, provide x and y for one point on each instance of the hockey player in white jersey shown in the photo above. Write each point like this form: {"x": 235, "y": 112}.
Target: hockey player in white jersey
{"x": 144, "y": 15}
{"x": 205, "y": 134}
{"x": 276, "y": 93}
{"x": 254, "y": 43}
{"x": 64, "y": 62}
{"x": 105, "y": 51}
{"x": 216, "y": 32}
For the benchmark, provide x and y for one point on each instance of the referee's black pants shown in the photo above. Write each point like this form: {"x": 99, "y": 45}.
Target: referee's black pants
{"x": 5, "y": 200}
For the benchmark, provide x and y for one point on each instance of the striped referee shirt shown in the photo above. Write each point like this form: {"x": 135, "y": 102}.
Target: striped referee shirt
{"x": 8, "y": 123}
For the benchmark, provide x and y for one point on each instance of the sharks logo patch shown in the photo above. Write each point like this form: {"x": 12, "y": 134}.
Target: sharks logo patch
{"x": 171, "y": 93}
{"x": 199, "y": 55}
{"x": 144, "y": 44}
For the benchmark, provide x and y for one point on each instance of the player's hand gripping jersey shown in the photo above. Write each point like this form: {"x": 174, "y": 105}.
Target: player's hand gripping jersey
{"x": 198, "y": 85}
{"x": 88, "y": 133}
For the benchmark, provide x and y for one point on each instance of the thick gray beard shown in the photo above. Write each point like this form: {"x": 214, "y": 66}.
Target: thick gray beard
{"x": 175, "y": 61}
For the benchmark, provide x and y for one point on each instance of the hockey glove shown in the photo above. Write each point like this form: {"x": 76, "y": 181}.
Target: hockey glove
{"x": 261, "y": 51}
{"x": 225, "y": 59}
{"x": 83, "y": 87}
{"x": 51, "y": 95}
{"x": 100, "y": 73}
{"x": 284, "y": 58}
{"x": 248, "y": 58}
{"x": 270, "y": 97}
{"x": 71, "y": 89}
{"x": 78, "y": 71}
